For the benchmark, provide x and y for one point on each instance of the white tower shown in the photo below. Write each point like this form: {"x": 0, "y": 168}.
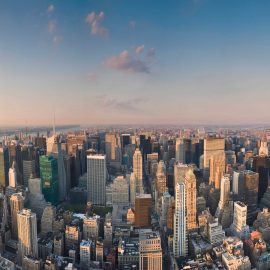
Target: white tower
{"x": 180, "y": 225}
{"x": 96, "y": 179}
{"x": 138, "y": 170}
{"x": 12, "y": 176}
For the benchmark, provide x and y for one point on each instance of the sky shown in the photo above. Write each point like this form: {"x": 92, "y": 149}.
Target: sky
{"x": 134, "y": 62}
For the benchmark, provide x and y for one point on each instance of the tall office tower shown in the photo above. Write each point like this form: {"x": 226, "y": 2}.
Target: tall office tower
{"x": 132, "y": 186}
{"x": 224, "y": 191}
{"x": 263, "y": 151}
{"x": 52, "y": 144}
{"x": 112, "y": 146}
{"x": 40, "y": 142}
{"x": 180, "y": 244}
{"x": 29, "y": 168}
{"x": 4, "y": 166}
{"x": 47, "y": 219}
{"x": 85, "y": 253}
{"x": 138, "y": 170}
{"x": 191, "y": 210}
{"x": 166, "y": 201}
{"x": 27, "y": 234}
{"x": 62, "y": 174}
{"x": 143, "y": 205}
{"x": 120, "y": 191}
{"x": 261, "y": 165}
{"x": 12, "y": 175}
{"x": 212, "y": 146}
{"x": 180, "y": 150}
{"x": 16, "y": 205}
{"x": 150, "y": 250}
{"x": 245, "y": 187}
{"x": 180, "y": 172}
{"x": 250, "y": 194}
{"x": 15, "y": 155}
{"x": 49, "y": 178}
{"x": 161, "y": 178}
{"x": 239, "y": 225}
{"x": 217, "y": 169}
{"x": 96, "y": 179}
{"x": 125, "y": 140}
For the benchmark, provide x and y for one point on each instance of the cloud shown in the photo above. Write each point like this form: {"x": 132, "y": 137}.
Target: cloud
{"x": 92, "y": 77}
{"x": 151, "y": 52}
{"x": 57, "y": 39}
{"x": 139, "y": 49}
{"x": 131, "y": 104}
{"x": 126, "y": 62}
{"x": 50, "y": 9}
{"x": 132, "y": 24}
{"x": 51, "y": 26}
{"x": 94, "y": 20}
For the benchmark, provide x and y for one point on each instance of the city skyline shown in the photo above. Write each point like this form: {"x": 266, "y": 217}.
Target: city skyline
{"x": 103, "y": 62}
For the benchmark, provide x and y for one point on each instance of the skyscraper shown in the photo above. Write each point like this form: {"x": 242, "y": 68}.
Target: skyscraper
{"x": 143, "y": 204}
{"x": 96, "y": 179}
{"x": 27, "y": 234}
{"x": 191, "y": 210}
{"x": 12, "y": 175}
{"x": 16, "y": 205}
{"x": 138, "y": 170}
{"x": 180, "y": 150}
{"x": 263, "y": 150}
{"x": 4, "y": 166}
{"x": 29, "y": 167}
{"x": 212, "y": 146}
{"x": 180, "y": 245}
{"x": 224, "y": 191}
{"x": 49, "y": 178}
{"x": 217, "y": 169}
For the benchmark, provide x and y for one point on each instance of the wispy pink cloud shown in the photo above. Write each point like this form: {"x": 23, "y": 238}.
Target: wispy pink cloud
{"x": 94, "y": 20}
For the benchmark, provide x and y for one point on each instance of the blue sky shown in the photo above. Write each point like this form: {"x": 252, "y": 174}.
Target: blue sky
{"x": 126, "y": 61}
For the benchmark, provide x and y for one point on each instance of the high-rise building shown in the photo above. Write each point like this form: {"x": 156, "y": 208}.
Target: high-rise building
{"x": 47, "y": 219}
{"x": 224, "y": 191}
{"x": 261, "y": 165}
{"x": 239, "y": 225}
{"x": 212, "y": 146}
{"x": 180, "y": 151}
{"x": 138, "y": 170}
{"x": 49, "y": 178}
{"x": 180, "y": 245}
{"x": 112, "y": 147}
{"x": 72, "y": 237}
{"x": 120, "y": 191}
{"x": 16, "y": 205}
{"x": 96, "y": 179}
{"x": 161, "y": 178}
{"x": 4, "y": 166}
{"x": 29, "y": 168}
{"x": 27, "y": 234}
{"x": 191, "y": 210}
{"x": 132, "y": 186}
{"x": 143, "y": 205}
{"x": 12, "y": 174}
{"x": 150, "y": 250}
{"x": 217, "y": 169}
{"x": 263, "y": 150}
